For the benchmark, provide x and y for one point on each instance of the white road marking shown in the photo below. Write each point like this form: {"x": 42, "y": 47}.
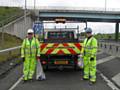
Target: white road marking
{"x": 15, "y": 84}
{"x": 109, "y": 83}
{"x": 116, "y": 79}
{"x": 105, "y": 59}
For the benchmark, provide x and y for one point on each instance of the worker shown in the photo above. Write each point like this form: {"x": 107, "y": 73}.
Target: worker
{"x": 89, "y": 57}
{"x": 30, "y": 52}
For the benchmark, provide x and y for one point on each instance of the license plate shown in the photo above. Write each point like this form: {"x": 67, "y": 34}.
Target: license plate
{"x": 61, "y": 62}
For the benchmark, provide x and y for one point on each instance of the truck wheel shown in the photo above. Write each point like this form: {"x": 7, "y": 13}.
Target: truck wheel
{"x": 45, "y": 67}
{"x": 76, "y": 68}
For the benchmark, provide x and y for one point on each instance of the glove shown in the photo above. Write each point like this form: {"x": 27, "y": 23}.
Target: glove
{"x": 23, "y": 59}
{"x": 92, "y": 59}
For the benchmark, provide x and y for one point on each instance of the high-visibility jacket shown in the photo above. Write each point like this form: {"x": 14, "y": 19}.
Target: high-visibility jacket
{"x": 90, "y": 47}
{"x": 30, "y": 49}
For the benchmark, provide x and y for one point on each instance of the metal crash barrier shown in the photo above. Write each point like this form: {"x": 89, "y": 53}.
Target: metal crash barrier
{"x": 9, "y": 58}
{"x": 10, "y": 49}
{"x": 9, "y": 53}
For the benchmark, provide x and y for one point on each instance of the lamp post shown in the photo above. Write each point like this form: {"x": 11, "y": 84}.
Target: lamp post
{"x": 105, "y": 5}
{"x": 25, "y": 11}
{"x": 34, "y": 8}
{"x": 34, "y": 4}
{"x": 34, "y": 13}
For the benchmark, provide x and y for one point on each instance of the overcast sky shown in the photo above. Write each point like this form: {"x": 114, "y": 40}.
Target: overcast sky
{"x": 97, "y": 27}
{"x": 69, "y": 3}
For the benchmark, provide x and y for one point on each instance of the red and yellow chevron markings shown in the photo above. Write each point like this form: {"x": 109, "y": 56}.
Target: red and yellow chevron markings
{"x": 60, "y": 48}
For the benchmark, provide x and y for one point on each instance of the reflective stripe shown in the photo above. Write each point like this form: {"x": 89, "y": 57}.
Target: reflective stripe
{"x": 44, "y": 51}
{"x": 50, "y": 50}
{"x": 88, "y": 47}
{"x": 66, "y": 51}
{"x": 70, "y": 49}
{"x": 63, "y": 50}
{"x": 75, "y": 48}
{"x": 56, "y": 50}
{"x": 92, "y": 76}
{"x": 66, "y": 48}
{"x": 88, "y": 53}
{"x": 42, "y": 46}
{"x": 86, "y": 75}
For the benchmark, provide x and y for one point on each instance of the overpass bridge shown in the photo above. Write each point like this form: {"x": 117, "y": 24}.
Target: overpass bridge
{"x": 77, "y": 15}
{"x": 81, "y": 15}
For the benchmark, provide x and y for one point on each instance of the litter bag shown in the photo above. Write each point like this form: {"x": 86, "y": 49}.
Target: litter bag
{"x": 40, "y": 75}
{"x": 80, "y": 62}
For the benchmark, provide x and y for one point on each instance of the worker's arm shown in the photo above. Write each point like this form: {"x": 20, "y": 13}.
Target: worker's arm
{"x": 38, "y": 48}
{"x": 94, "y": 48}
{"x": 82, "y": 50}
{"x": 23, "y": 49}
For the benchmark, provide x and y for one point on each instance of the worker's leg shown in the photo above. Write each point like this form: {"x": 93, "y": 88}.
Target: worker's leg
{"x": 93, "y": 70}
{"x": 26, "y": 68}
{"x": 86, "y": 67}
{"x": 32, "y": 68}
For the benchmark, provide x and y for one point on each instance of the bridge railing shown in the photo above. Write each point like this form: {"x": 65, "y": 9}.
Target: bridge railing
{"x": 74, "y": 8}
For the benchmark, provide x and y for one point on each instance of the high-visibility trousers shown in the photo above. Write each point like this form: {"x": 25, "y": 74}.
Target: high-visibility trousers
{"x": 89, "y": 68}
{"x": 29, "y": 68}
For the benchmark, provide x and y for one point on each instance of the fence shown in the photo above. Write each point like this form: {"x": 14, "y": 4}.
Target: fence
{"x": 112, "y": 48}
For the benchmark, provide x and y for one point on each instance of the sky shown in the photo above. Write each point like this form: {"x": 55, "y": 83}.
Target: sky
{"x": 97, "y": 27}
{"x": 67, "y": 3}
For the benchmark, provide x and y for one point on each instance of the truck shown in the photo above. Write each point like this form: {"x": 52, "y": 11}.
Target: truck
{"x": 60, "y": 47}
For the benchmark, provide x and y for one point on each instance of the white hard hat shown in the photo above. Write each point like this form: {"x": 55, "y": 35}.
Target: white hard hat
{"x": 30, "y": 31}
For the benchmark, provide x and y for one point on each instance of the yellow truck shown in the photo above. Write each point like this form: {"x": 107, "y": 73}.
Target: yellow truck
{"x": 60, "y": 47}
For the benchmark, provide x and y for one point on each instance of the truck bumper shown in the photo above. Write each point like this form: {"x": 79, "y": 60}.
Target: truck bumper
{"x": 56, "y": 60}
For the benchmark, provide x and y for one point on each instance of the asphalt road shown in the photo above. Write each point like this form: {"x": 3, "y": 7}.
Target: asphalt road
{"x": 64, "y": 80}
{"x": 68, "y": 79}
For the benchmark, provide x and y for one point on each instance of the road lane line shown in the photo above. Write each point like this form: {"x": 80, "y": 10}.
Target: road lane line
{"x": 15, "y": 84}
{"x": 105, "y": 59}
{"x": 109, "y": 82}
{"x": 116, "y": 79}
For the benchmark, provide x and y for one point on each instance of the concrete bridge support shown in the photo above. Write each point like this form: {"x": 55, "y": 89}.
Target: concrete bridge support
{"x": 17, "y": 27}
{"x": 117, "y": 31}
